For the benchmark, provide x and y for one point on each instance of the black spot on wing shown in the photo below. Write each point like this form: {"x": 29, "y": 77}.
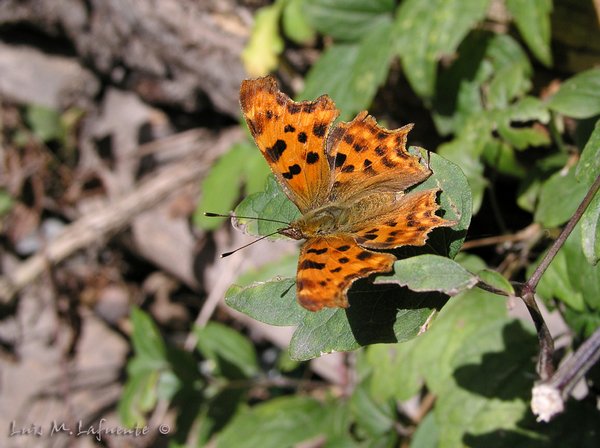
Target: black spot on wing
{"x": 387, "y": 162}
{"x": 275, "y": 152}
{"x": 312, "y": 157}
{"x": 348, "y": 169}
{"x": 343, "y": 248}
{"x": 333, "y": 271}
{"x": 319, "y": 129}
{"x": 348, "y": 139}
{"x": 317, "y": 251}
{"x": 310, "y": 264}
{"x": 340, "y": 158}
{"x": 358, "y": 148}
{"x": 302, "y": 137}
{"x": 364, "y": 255}
{"x": 289, "y": 128}
{"x": 292, "y": 171}
{"x": 344, "y": 260}
{"x": 255, "y": 127}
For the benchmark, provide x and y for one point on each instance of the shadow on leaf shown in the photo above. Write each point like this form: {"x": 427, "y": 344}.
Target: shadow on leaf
{"x": 502, "y": 375}
{"x": 376, "y": 312}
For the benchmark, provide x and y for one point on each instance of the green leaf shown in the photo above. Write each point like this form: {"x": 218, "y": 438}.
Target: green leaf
{"x": 571, "y": 279}
{"x": 6, "y": 202}
{"x": 45, "y": 123}
{"x": 590, "y": 231}
{"x": 455, "y": 203}
{"x": 588, "y": 167}
{"x": 427, "y": 434}
{"x": 478, "y": 362}
{"x": 348, "y": 20}
{"x": 496, "y": 280}
{"x": 431, "y": 273}
{"x": 295, "y": 23}
{"x": 579, "y": 96}
{"x": 396, "y": 373}
{"x": 559, "y": 198}
{"x": 221, "y": 186}
{"x": 144, "y": 370}
{"x": 532, "y": 18}
{"x": 501, "y": 156}
{"x": 470, "y": 262}
{"x": 492, "y": 377}
{"x": 265, "y": 45}
{"x": 395, "y": 315}
{"x": 428, "y": 30}
{"x": 138, "y": 397}
{"x": 233, "y": 353}
{"x": 525, "y": 110}
{"x": 489, "y": 73}
{"x": 465, "y": 151}
{"x": 375, "y": 418}
{"x": 556, "y": 283}
{"x": 452, "y": 331}
{"x": 351, "y": 74}
{"x": 279, "y": 422}
{"x": 146, "y": 339}
{"x": 273, "y": 302}
{"x": 268, "y": 204}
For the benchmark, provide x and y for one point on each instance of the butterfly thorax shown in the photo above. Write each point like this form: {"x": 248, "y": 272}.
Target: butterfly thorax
{"x": 326, "y": 220}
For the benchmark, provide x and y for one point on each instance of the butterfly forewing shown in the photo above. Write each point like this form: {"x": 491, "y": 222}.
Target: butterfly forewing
{"x": 363, "y": 150}
{"x": 291, "y": 136}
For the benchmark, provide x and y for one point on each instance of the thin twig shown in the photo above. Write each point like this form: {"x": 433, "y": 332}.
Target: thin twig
{"x": 527, "y": 291}
{"x": 522, "y": 235}
{"x": 558, "y": 243}
{"x": 566, "y": 376}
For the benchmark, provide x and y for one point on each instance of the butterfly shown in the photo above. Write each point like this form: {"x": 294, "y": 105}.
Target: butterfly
{"x": 348, "y": 180}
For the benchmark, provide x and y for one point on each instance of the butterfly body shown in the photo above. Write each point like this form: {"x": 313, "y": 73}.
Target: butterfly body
{"x": 348, "y": 180}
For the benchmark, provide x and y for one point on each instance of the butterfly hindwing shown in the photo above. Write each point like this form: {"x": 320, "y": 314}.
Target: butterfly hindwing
{"x": 407, "y": 222}
{"x": 291, "y": 136}
{"x": 328, "y": 266}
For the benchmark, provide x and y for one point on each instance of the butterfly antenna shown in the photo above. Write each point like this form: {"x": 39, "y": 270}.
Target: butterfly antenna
{"x": 226, "y": 254}
{"x": 212, "y": 215}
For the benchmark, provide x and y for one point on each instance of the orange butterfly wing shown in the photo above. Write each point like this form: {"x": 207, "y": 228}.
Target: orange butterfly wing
{"x": 378, "y": 157}
{"x": 291, "y": 136}
{"x": 328, "y": 266}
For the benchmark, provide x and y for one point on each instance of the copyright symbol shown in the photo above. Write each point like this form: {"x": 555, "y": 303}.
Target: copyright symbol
{"x": 164, "y": 429}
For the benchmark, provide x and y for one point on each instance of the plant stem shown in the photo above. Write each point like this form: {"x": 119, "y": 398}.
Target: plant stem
{"x": 558, "y": 243}
{"x": 527, "y": 291}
